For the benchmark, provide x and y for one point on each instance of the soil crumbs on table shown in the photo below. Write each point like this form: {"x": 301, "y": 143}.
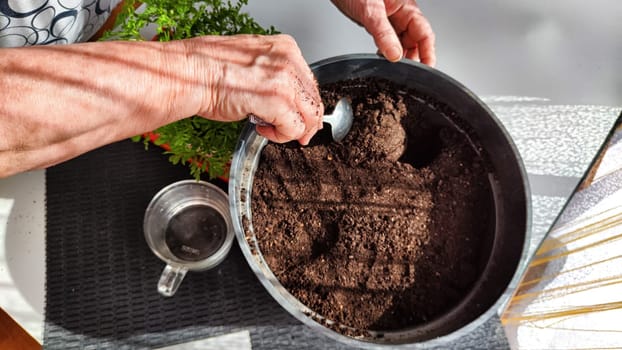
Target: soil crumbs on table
{"x": 385, "y": 230}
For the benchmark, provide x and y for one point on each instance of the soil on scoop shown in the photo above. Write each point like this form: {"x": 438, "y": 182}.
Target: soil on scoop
{"x": 386, "y": 230}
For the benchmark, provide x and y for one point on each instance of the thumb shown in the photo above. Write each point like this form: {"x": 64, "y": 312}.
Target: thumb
{"x": 385, "y": 37}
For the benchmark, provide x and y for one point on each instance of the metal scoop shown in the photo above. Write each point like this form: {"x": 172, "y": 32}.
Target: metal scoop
{"x": 340, "y": 120}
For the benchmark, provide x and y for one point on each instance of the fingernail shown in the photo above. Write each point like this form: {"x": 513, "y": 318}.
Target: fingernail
{"x": 394, "y": 53}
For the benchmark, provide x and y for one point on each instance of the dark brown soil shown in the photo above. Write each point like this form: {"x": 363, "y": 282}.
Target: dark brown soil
{"x": 388, "y": 229}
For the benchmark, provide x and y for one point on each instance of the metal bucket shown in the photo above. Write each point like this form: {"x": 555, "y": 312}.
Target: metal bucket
{"x": 508, "y": 252}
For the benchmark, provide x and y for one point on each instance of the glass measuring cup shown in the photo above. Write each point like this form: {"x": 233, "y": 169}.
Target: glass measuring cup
{"x": 187, "y": 225}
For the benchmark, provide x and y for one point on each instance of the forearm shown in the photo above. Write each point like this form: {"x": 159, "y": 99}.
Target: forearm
{"x": 59, "y": 102}
{"x": 62, "y": 101}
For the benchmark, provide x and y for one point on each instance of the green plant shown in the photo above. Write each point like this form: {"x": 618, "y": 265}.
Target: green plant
{"x": 205, "y": 145}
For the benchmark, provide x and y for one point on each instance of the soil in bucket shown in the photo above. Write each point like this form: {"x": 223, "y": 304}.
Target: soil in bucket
{"x": 386, "y": 230}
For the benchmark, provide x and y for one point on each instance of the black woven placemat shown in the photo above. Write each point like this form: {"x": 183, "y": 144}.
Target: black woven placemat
{"x": 101, "y": 276}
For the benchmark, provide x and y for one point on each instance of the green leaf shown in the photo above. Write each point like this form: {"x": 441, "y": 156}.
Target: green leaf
{"x": 203, "y": 145}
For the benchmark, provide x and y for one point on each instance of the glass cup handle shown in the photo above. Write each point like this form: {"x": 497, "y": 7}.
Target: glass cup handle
{"x": 170, "y": 280}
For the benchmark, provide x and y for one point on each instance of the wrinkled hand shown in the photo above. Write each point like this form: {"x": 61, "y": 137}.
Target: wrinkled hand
{"x": 265, "y": 76}
{"x": 398, "y": 27}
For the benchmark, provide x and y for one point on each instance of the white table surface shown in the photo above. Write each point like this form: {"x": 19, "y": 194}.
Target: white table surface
{"x": 578, "y": 308}
{"x": 22, "y": 249}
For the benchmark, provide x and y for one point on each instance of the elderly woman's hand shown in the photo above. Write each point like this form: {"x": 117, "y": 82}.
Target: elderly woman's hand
{"x": 265, "y": 76}
{"x": 398, "y": 27}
